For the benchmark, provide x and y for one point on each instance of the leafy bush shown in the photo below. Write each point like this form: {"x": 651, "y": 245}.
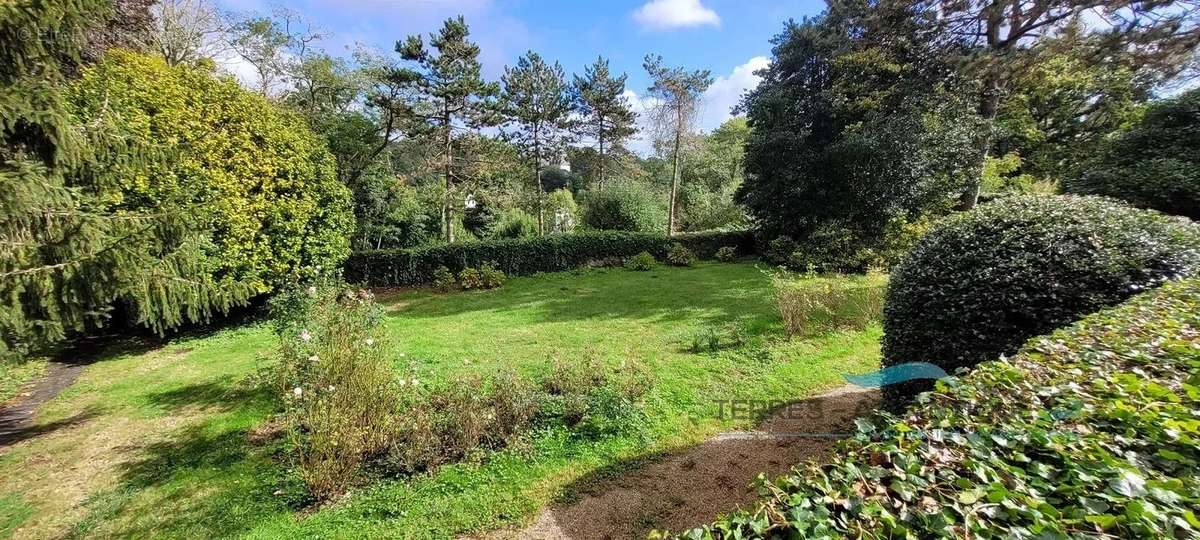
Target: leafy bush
{"x": 515, "y": 223}
{"x": 470, "y": 278}
{"x": 277, "y": 209}
{"x": 680, "y": 256}
{"x": 490, "y": 276}
{"x": 529, "y": 256}
{"x": 626, "y": 206}
{"x": 443, "y": 279}
{"x": 458, "y": 421}
{"x": 984, "y": 281}
{"x": 1156, "y": 164}
{"x": 335, "y": 378}
{"x": 1089, "y": 432}
{"x": 641, "y": 262}
{"x": 727, "y": 254}
{"x": 811, "y": 305}
{"x": 562, "y": 214}
{"x": 779, "y": 251}
{"x": 484, "y": 277}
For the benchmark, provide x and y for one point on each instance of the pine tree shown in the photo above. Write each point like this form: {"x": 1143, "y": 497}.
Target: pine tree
{"x": 599, "y": 98}
{"x": 536, "y": 102}
{"x": 68, "y": 250}
{"x": 678, "y": 92}
{"x": 450, "y": 95}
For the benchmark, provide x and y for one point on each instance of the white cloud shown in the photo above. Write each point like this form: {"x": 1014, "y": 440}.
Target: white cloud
{"x": 726, "y": 91}
{"x": 668, "y": 14}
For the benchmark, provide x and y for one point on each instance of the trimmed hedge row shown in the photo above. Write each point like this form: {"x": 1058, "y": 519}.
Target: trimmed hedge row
{"x": 1089, "y": 432}
{"x": 517, "y": 257}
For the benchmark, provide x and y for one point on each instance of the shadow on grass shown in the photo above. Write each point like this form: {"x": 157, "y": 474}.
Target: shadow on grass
{"x": 17, "y": 432}
{"x": 157, "y": 495}
{"x": 208, "y": 394}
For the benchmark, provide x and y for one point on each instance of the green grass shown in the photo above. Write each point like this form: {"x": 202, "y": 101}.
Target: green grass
{"x": 15, "y": 375}
{"x": 162, "y": 434}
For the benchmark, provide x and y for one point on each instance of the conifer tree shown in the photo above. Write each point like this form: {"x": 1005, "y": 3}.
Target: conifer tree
{"x": 536, "y": 102}
{"x": 678, "y": 92}
{"x": 450, "y": 95}
{"x": 69, "y": 251}
{"x": 599, "y": 98}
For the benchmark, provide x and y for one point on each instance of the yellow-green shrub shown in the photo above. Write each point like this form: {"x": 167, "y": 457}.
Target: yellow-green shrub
{"x": 277, "y": 209}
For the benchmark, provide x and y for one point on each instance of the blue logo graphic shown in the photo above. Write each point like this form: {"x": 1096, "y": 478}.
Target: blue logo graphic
{"x": 897, "y": 374}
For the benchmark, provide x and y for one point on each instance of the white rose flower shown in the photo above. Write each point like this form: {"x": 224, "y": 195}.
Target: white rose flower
{"x": 298, "y": 391}
{"x": 305, "y": 336}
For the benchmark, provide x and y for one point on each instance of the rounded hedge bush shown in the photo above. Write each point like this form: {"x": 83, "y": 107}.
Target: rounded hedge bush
{"x": 274, "y": 204}
{"x": 983, "y": 282}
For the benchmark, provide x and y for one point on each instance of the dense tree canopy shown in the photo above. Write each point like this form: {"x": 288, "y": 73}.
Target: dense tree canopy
{"x": 856, "y": 124}
{"x": 69, "y": 250}
{"x": 270, "y": 193}
{"x": 1155, "y": 164}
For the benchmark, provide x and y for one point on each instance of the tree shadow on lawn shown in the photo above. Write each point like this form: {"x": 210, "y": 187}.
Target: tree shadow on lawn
{"x": 202, "y": 483}
{"x": 208, "y": 479}
{"x": 672, "y": 296}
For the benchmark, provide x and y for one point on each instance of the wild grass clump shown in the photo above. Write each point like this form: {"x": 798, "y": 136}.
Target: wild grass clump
{"x": 812, "y": 305}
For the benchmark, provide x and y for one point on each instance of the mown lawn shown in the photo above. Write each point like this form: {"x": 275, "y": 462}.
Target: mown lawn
{"x": 163, "y": 442}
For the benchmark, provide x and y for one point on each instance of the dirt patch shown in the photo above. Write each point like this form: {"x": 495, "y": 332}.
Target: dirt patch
{"x": 690, "y": 488}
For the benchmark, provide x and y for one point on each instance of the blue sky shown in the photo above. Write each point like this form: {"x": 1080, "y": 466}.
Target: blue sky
{"x": 729, "y": 37}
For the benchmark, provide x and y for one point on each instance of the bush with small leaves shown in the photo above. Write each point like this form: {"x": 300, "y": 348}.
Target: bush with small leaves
{"x": 470, "y": 278}
{"x": 641, "y": 262}
{"x": 443, "y": 279}
{"x": 727, "y": 254}
{"x": 490, "y": 276}
{"x": 335, "y": 379}
{"x": 680, "y": 256}
{"x": 982, "y": 282}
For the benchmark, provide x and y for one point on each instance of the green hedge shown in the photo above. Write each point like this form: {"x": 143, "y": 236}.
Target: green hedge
{"x": 1089, "y": 432}
{"x": 517, "y": 257}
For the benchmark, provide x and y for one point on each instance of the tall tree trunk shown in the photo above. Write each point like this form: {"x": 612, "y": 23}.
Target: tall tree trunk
{"x": 675, "y": 174}
{"x": 988, "y": 104}
{"x": 600, "y": 176}
{"x": 537, "y": 182}
{"x": 447, "y": 202}
{"x": 987, "y": 110}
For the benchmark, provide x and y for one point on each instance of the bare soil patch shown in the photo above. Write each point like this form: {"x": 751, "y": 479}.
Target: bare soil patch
{"x": 690, "y": 488}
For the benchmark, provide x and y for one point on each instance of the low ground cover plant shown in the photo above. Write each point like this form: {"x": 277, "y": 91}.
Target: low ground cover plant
{"x": 1089, "y": 432}
{"x": 812, "y": 305}
{"x": 727, "y": 254}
